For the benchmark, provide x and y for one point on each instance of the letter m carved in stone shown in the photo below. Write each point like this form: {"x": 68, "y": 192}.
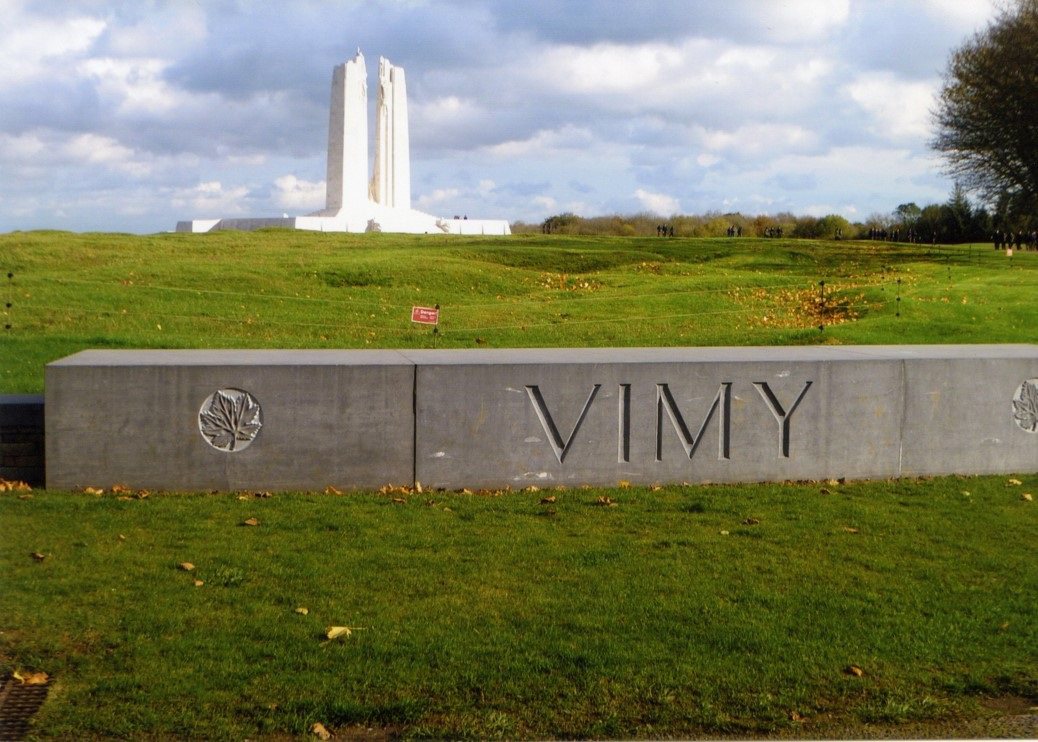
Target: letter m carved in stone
{"x": 559, "y": 445}
{"x": 723, "y": 402}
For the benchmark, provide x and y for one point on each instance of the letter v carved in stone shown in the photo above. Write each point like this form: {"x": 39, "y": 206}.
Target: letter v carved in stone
{"x": 558, "y": 445}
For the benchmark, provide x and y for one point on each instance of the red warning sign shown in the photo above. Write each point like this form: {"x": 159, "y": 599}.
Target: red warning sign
{"x": 425, "y": 315}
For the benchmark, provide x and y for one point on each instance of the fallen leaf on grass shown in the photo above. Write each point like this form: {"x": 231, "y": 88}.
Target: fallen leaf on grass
{"x": 825, "y": 491}
{"x": 302, "y": 611}
{"x": 418, "y": 487}
{"x": 120, "y": 489}
{"x": 605, "y": 501}
{"x": 250, "y": 522}
{"x": 186, "y": 566}
{"x": 548, "y": 500}
{"x": 796, "y": 716}
{"x": 243, "y": 497}
{"x": 38, "y": 556}
{"x": 533, "y": 488}
{"x": 262, "y": 494}
{"x": 1027, "y": 496}
{"x": 337, "y": 632}
{"x": 751, "y": 522}
{"x": 319, "y": 731}
{"x": 13, "y": 486}
{"x": 723, "y": 533}
{"x": 399, "y": 501}
{"x": 122, "y": 537}
{"x": 124, "y": 498}
{"x": 24, "y": 497}
{"x": 329, "y": 490}
{"x": 850, "y": 529}
{"x": 853, "y": 670}
{"x": 1013, "y": 483}
{"x": 623, "y": 484}
{"x": 93, "y": 491}
{"x": 199, "y": 583}
{"x": 32, "y": 678}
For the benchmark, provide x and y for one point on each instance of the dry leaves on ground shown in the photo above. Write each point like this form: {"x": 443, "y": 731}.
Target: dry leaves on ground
{"x": 30, "y": 678}
{"x": 339, "y": 632}
{"x": 13, "y": 486}
{"x": 250, "y": 522}
{"x": 186, "y": 566}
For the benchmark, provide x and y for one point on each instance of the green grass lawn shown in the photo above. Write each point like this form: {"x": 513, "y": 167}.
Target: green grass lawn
{"x": 683, "y": 611}
{"x": 287, "y": 289}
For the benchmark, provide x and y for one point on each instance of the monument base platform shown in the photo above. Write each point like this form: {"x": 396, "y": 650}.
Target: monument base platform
{"x": 374, "y": 218}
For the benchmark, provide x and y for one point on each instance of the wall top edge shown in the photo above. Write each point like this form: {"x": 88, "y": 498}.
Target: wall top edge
{"x": 527, "y": 356}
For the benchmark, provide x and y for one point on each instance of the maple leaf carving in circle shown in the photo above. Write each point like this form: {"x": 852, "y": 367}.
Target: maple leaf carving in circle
{"x": 230, "y": 419}
{"x": 1025, "y": 406}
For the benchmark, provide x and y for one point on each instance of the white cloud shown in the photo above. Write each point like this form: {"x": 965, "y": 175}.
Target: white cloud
{"x": 136, "y": 84}
{"x": 658, "y": 203}
{"x": 608, "y": 68}
{"x": 211, "y": 198}
{"x": 547, "y": 203}
{"x": 32, "y": 47}
{"x": 899, "y": 109}
{"x": 802, "y": 20}
{"x": 544, "y": 142}
{"x": 298, "y": 195}
{"x": 753, "y": 140}
{"x": 437, "y": 197}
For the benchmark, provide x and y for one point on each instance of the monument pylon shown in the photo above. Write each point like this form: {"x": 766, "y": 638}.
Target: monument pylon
{"x": 391, "y": 181}
{"x": 346, "y": 183}
{"x": 353, "y": 202}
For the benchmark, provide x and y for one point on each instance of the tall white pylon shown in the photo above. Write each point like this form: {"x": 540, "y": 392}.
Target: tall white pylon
{"x": 391, "y": 181}
{"x": 347, "y": 181}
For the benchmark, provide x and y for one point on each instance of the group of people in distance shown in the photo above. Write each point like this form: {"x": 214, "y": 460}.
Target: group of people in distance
{"x": 894, "y": 235}
{"x": 1007, "y": 240}
{"x": 664, "y": 230}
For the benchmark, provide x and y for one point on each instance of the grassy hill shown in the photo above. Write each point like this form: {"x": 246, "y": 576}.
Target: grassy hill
{"x": 827, "y": 609}
{"x": 283, "y": 289}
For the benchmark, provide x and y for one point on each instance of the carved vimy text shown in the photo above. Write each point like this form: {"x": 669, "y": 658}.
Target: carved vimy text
{"x": 667, "y": 407}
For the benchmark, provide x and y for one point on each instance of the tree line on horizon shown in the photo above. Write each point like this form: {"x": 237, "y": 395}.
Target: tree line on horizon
{"x": 955, "y": 221}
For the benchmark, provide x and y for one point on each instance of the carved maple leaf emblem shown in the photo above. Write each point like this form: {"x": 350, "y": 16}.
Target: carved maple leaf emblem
{"x": 230, "y": 419}
{"x": 1025, "y": 406}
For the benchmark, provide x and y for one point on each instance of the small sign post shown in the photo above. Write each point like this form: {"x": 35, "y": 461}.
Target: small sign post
{"x": 426, "y": 315}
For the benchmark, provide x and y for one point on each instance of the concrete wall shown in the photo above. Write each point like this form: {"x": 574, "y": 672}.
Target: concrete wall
{"x": 21, "y": 438}
{"x": 495, "y": 418}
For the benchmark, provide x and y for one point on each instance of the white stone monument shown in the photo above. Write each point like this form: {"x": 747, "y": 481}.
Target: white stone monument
{"x": 353, "y": 203}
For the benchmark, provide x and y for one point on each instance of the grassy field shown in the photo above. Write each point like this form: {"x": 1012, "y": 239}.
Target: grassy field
{"x": 680, "y": 612}
{"x": 309, "y": 290}
{"x": 811, "y": 609}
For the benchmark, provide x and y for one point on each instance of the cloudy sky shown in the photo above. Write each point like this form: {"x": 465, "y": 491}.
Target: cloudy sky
{"x": 127, "y": 116}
